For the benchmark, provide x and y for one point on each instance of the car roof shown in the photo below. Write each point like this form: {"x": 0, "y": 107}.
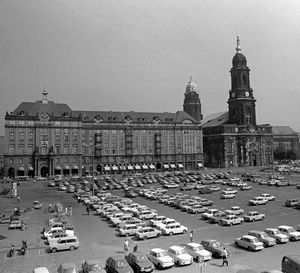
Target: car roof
{"x": 117, "y": 258}
{"x": 41, "y": 269}
{"x": 176, "y": 247}
{"x": 93, "y": 261}
{"x": 283, "y": 226}
{"x": 67, "y": 265}
{"x": 157, "y": 250}
{"x": 193, "y": 244}
{"x": 249, "y": 236}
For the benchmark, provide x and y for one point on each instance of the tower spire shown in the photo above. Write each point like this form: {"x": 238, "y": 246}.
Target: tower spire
{"x": 238, "y": 47}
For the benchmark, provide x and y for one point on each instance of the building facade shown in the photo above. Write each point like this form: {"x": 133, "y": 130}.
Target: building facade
{"x": 233, "y": 138}
{"x": 1, "y": 156}
{"x": 48, "y": 138}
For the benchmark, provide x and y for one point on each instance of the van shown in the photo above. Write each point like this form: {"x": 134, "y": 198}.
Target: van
{"x": 68, "y": 243}
{"x": 290, "y": 264}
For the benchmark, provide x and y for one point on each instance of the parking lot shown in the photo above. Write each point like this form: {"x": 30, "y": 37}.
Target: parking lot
{"x": 99, "y": 240}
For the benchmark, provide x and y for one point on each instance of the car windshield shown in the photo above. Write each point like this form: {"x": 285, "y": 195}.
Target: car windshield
{"x": 141, "y": 258}
{"x": 121, "y": 264}
{"x": 162, "y": 254}
{"x": 291, "y": 230}
{"x": 216, "y": 244}
{"x": 199, "y": 248}
{"x": 255, "y": 240}
{"x": 181, "y": 251}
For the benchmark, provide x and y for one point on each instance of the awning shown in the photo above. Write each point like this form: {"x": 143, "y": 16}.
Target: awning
{"x": 115, "y": 168}
{"x": 122, "y": 168}
{"x": 180, "y": 165}
{"x": 200, "y": 165}
{"x": 30, "y": 168}
{"x": 129, "y": 167}
{"x": 21, "y": 169}
{"x": 145, "y": 167}
{"x": 152, "y": 166}
{"x": 166, "y": 166}
{"x": 66, "y": 167}
{"x": 57, "y": 168}
{"x": 75, "y": 167}
{"x": 106, "y": 168}
{"x": 173, "y": 166}
{"x": 137, "y": 167}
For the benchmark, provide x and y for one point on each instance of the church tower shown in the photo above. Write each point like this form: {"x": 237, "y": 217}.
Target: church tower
{"x": 192, "y": 104}
{"x": 241, "y": 101}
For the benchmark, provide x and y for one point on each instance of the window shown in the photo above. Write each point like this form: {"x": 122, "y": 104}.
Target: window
{"x": 57, "y": 138}
{"x": 75, "y": 137}
{"x": 74, "y": 149}
{"x": 21, "y": 161}
{"x": 12, "y": 136}
{"x": 57, "y": 149}
{"x": 30, "y": 149}
{"x": 44, "y": 150}
{"x": 66, "y": 137}
{"x": 30, "y": 137}
{"x": 66, "y": 160}
{"x": 66, "y": 149}
{"x": 21, "y": 136}
{"x": 11, "y": 149}
{"x": 21, "y": 149}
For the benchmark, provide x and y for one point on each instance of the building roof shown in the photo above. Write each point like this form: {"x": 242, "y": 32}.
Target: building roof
{"x": 283, "y": 130}
{"x": 215, "y": 119}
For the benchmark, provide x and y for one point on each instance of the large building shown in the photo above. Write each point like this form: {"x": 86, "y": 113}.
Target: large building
{"x": 233, "y": 138}
{"x": 47, "y": 138}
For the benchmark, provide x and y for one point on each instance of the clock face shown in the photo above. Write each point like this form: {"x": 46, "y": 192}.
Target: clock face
{"x": 233, "y": 94}
{"x": 247, "y": 94}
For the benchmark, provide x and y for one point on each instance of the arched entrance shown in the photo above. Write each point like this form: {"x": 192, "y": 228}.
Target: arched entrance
{"x": 66, "y": 170}
{"x": 158, "y": 166}
{"x": 75, "y": 170}
{"x": 11, "y": 172}
{"x": 44, "y": 171}
{"x": 31, "y": 173}
{"x": 99, "y": 168}
{"x": 20, "y": 171}
{"x": 57, "y": 170}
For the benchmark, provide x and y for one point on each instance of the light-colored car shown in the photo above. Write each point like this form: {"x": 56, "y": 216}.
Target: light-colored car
{"x": 227, "y": 195}
{"x": 209, "y": 213}
{"x": 41, "y": 269}
{"x": 158, "y": 219}
{"x": 277, "y": 235}
{"x": 128, "y": 229}
{"x": 198, "y": 252}
{"x": 165, "y": 222}
{"x": 230, "y": 190}
{"x": 290, "y": 232}
{"x": 249, "y": 242}
{"x": 175, "y": 228}
{"x": 125, "y": 217}
{"x": 252, "y": 216}
{"x": 263, "y": 237}
{"x": 160, "y": 258}
{"x": 259, "y": 200}
{"x": 230, "y": 220}
{"x": 217, "y": 249}
{"x": 146, "y": 214}
{"x": 147, "y": 232}
{"x": 268, "y": 196}
{"x": 56, "y": 237}
{"x": 92, "y": 266}
{"x": 197, "y": 208}
{"x": 234, "y": 210}
{"x": 180, "y": 255}
{"x": 52, "y": 231}
{"x": 69, "y": 243}
{"x": 67, "y": 268}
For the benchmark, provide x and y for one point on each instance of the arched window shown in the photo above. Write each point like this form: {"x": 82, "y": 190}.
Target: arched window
{"x": 248, "y": 116}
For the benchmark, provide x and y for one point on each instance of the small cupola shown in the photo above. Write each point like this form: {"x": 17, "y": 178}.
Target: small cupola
{"x": 45, "y": 96}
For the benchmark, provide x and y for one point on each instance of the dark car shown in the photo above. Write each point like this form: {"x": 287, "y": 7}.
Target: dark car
{"x": 139, "y": 262}
{"x": 215, "y": 247}
{"x": 216, "y": 218}
{"x": 130, "y": 194}
{"x": 205, "y": 191}
{"x": 187, "y": 187}
{"x": 92, "y": 266}
{"x": 117, "y": 264}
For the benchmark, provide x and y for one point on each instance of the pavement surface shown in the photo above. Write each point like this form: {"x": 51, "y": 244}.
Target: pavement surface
{"x": 98, "y": 240}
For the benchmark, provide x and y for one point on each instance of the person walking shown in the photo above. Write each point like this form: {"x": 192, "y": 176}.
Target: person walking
{"x": 135, "y": 249}
{"x": 18, "y": 198}
{"x": 126, "y": 246}
{"x": 225, "y": 258}
{"x": 191, "y": 234}
{"x": 87, "y": 210}
{"x": 70, "y": 210}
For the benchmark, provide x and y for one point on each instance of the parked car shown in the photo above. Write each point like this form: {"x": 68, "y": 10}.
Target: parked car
{"x": 291, "y": 202}
{"x": 146, "y": 214}
{"x": 230, "y": 220}
{"x": 128, "y": 229}
{"x": 198, "y": 252}
{"x": 91, "y": 266}
{"x": 205, "y": 191}
{"x": 197, "y": 208}
{"x": 52, "y": 231}
{"x": 263, "y": 237}
{"x": 234, "y": 210}
{"x": 41, "y": 269}
{"x": 249, "y": 242}
{"x": 259, "y": 200}
{"x": 146, "y": 233}
{"x": 165, "y": 222}
{"x": 290, "y": 232}
{"x": 157, "y": 219}
{"x": 180, "y": 255}
{"x": 227, "y": 195}
{"x": 139, "y": 262}
{"x": 215, "y": 247}
{"x": 245, "y": 187}
{"x": 217, "y": 217}
{"x": 268, "y": 196}
{"x": 209, "y": 213}
{"x": 277, "y": 235}
{"x": 69, "y": 243}
{"x": 117, "y": 264}
{"x": 175, "y": 228}
{"x": 67, "y": 268}
{"x": 160, "y": 258}
{"x": 252, "y": 216}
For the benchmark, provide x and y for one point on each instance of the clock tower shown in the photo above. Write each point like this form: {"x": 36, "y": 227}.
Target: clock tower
{"x": 241, "y": 101}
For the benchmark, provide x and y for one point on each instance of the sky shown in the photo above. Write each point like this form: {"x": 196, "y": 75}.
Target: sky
{"x": 138, "y": 55}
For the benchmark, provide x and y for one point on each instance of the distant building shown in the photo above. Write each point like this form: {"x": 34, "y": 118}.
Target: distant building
{"x": 1, "y": 156}
{"x": 285, "y": 142}
{"x": 233, "y": 138}
{"x": 47, "y": 138}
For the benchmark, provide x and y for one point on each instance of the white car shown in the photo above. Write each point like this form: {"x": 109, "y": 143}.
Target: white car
{"x": 165, "y": 222}
{"x": 128, "y": 230}
{"x": 198, "y": 252}
{"x": 259, "y": 200}
{"x": 160, "y": 258}
{"x": 254, "y": 216}
{"x": 234, "y": 210}
{"x": 209, "y": 213}
{"x": 268, "y": 196}
{"x": 40, "y": 269}
{"x": 277, "y": 235}
{"x": 249, "y": 242}
{"x": 290, "y": 232}
{"x": 175, "y": 228}
{"x": 180, "y": 255}
{"x": 158, "y": 219}
{"x": 50, "y": 232}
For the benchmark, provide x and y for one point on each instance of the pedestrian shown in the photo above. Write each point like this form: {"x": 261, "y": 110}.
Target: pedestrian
{"x": 225, "y": 258}
{"x": 87, "y": 210}
{"x": 78, "y": 199}
{"x": 66, "y": 210}
{"x": 70, "y": 210}
{"x": 135, "y": 249}
{"x": 191, "y": 236}
{"x": 126, "y": 246}
{"x": 18, "y": 198}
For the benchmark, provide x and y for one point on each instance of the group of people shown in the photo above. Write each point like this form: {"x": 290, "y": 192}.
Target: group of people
{"x": 126, "y": 246}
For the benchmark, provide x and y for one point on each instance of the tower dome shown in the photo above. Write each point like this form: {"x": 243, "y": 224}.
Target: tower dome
{"x": 239, "y": 58}
{"x": 191, "y": 86}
